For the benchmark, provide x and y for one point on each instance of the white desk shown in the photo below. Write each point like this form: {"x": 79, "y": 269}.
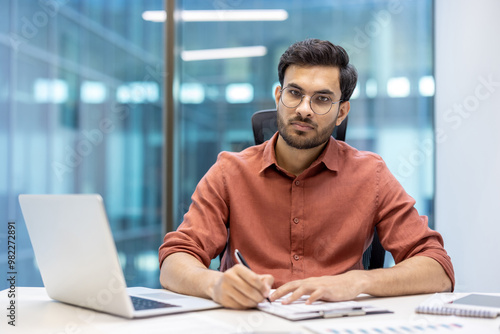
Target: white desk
{"x": 37, "y": 313}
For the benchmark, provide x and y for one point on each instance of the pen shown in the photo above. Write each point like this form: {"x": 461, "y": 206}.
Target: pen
{"x": 241, "y": 260}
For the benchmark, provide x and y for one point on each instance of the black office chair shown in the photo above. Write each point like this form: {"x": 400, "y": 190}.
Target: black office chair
{"x": 264, "y": 127}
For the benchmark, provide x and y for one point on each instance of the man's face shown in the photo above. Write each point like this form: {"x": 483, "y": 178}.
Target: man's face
{"x": 300, "y": 127}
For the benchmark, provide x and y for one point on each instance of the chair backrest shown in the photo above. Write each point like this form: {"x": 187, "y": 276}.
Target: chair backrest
{"x": 264, "y": 127}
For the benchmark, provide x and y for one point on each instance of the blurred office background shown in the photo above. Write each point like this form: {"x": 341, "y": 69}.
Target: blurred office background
{"x": 82, "y": 101}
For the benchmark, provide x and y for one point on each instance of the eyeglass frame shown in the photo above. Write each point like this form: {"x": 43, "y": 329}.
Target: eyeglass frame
{"x": 302, "y": 98}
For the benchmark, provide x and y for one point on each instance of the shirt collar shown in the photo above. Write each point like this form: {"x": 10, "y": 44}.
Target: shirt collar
{"x": 269, "y": 154}
{"x": 329, "y": 157}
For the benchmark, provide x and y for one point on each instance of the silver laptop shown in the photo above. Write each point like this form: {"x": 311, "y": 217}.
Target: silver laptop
{"x": 78, "y": 261}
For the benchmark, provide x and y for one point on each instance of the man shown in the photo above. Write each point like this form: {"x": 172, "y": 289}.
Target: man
{"x": 302, "y": 207}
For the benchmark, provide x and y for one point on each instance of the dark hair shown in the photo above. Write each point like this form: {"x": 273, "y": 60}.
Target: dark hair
{"x": 312, "y": 52}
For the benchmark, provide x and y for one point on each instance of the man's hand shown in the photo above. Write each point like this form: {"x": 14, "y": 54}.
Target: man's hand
{"x": 238, "y": 287}
{"x": 342, "y": 287}
{"x": 241, "y": 288}
{"x": 418, "y": 274}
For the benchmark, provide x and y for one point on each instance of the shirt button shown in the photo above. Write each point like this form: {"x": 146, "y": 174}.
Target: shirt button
{"x": 297, "y": 183}
{"x": 296, "y": 257}
{"x": 296, "y": 220}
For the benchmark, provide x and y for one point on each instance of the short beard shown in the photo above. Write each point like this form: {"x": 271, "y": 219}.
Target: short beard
{"x": 296, "y": 139}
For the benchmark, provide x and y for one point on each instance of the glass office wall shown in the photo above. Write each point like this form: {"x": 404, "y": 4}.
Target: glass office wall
{"x": 81, "y": 101}
{"x": 227, "y": 71}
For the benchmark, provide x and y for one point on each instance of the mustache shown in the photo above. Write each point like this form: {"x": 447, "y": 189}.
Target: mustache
{"x": 299, "y": 118}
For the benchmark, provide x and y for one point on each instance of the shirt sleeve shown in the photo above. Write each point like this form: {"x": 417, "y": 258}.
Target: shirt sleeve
{"x": 203, "y": 232}
{"x": 402, "y": 231}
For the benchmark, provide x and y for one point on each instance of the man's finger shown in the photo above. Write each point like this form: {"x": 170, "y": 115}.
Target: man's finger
{"x": 284, "y": 290}
{"x": 267, "y": 281}
{"x": 250, "y": 284}
{"x": 315, "y": 295}
{"x": 260, "y": 283}
{"x": 299, "y": 292}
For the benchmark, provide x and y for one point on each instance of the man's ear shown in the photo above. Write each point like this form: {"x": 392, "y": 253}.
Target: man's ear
{"x": 277, "y": 96}
{"x": 343, "y": 111}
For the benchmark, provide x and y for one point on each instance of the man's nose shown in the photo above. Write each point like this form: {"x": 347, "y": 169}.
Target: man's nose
{"x": 304, "y": 107}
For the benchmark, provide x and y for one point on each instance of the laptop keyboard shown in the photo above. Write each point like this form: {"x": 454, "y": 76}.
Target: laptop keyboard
{"x": 148, "y": 304}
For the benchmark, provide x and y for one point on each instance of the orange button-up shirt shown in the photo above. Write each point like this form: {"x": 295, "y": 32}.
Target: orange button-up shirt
{"x": 294, "y": 227}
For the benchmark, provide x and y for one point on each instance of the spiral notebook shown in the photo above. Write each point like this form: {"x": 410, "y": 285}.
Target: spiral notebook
{"x": 470, "y": 305}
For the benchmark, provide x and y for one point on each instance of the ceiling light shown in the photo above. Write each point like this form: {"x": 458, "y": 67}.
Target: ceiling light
{"x": 234, "y": 15}
{"x": 239, "y": 93}
{"x": 398, "y": 87}
{"x": 225, "y": 53}
{"x": 219, "y": 15}
{"x": 426, "y": 86}
{"x": 154, "y": 15}
{"x": 93, "y": 92}
{"x": 50, "y": 90}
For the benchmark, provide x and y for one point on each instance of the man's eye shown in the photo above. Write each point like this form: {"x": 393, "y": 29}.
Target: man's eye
{"x": 294, "y": 92}
{"x": 323, "y": 99}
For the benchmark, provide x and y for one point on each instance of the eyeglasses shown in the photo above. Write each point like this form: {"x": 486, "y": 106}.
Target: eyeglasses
{"x": 320, "y": 103}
